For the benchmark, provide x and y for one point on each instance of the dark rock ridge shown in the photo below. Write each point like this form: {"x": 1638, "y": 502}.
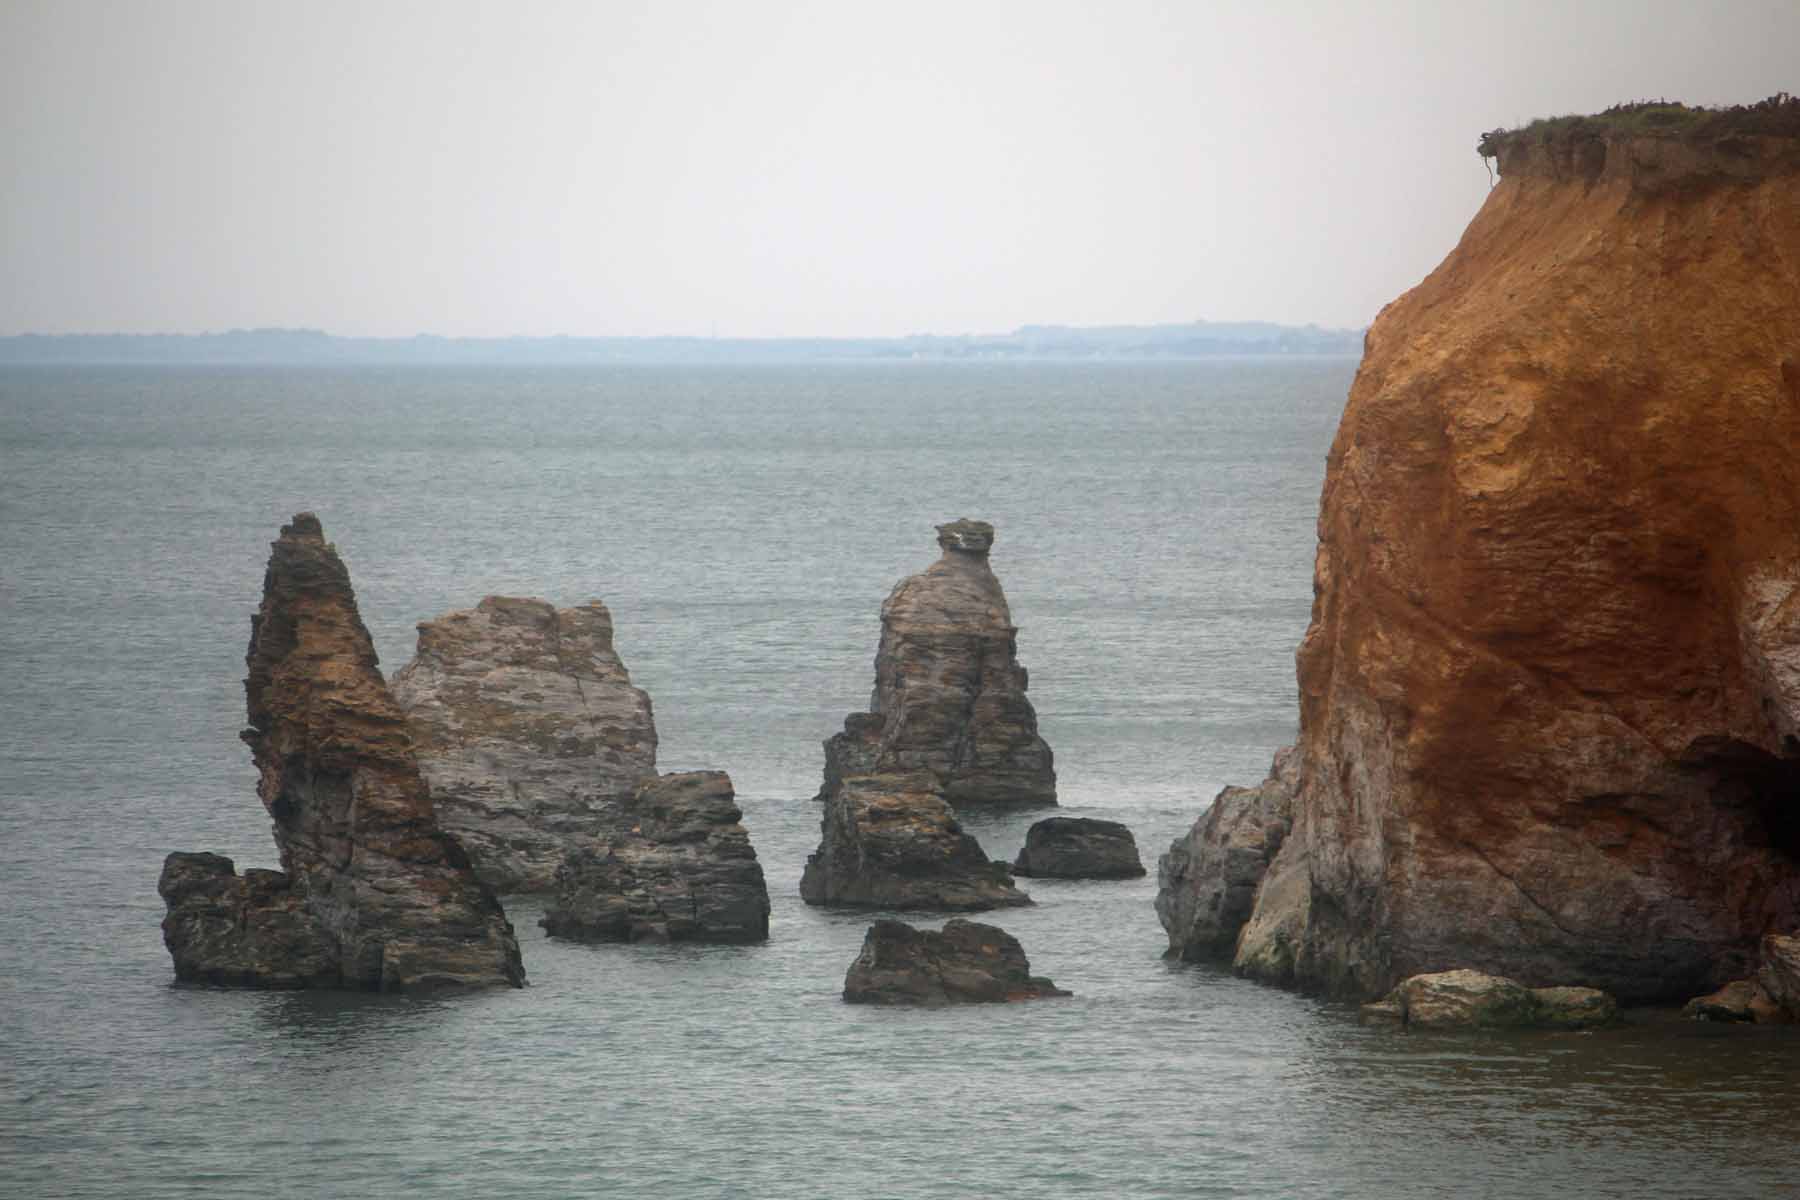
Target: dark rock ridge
{"x": 372, "y": 894}
{"x": 1079, "y": 848}
{"x": 529, "y": 733}
{"x": 949, "y": 693}
{"x": 1471, "y": 1000}
{"x": 1550, "y": 693}
{"x": 890, "y": 841}
{"x": 965, "y": 963}
{"x": 681, "y": 870}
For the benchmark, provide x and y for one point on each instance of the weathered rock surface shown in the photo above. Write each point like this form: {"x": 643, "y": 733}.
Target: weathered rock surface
{"x": 949, "y": 692}
{"x": 890, "y": 841}
{"x": 528, "y": 731}
{"x": 1550, "y": 695}
{"x": 1079, "y": 848}
{"x": 681, "y": 870}
{"x": 1471, "y": 1000}
{"x": 1740, "y": 1001}
{"x": 1208, "y": 879}
{"x": 965, "y": 963}
{"x": 372, "y": 894}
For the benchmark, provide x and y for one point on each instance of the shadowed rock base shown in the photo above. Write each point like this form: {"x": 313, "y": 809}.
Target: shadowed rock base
{"x": 965, "y": 963}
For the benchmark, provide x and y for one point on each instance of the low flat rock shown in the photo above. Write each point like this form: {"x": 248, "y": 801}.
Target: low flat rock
{"x": 1472, "y": 1000}
{"x": 964, "y": 963}
{"x": 891, "y": 841}
{"x": 1079, "y": 848}
{"x": 682, "y": 871}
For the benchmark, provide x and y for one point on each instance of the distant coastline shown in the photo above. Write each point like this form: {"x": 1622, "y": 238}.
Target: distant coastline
{"x": 1201, "y": 339}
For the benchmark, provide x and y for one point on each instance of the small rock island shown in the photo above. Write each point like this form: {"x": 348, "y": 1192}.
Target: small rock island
{"x": 372, "y": 894}
{"x": 964, "y": 963}
{"x": 1079, "y": 848}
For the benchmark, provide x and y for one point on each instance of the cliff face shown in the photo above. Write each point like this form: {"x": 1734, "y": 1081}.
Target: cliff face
{"x": 949, "y": 692}
{"x": 372, "y": 894}
{"x": 1550, "y": 695}
{"x": 529, "y": 732}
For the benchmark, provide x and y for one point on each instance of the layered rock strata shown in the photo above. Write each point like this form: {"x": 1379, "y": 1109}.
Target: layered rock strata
{"x": 372, "y": 894}
{"x": 680, "y": 870}
{"x": 529, "y": 733}
{"x": 964, "y": 963}
{"x": 890, "y": 841}
{"x": 1472, "y": 1000}
{"x": 1550, "y": 694}
{"x": 949, "y": 693}
{"x": 1078, "y": 848}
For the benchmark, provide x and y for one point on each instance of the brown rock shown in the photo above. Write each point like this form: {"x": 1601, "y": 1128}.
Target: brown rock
{"x": 372, "y": 894}
{"x": 890, "y": 841}
{"x": 682, "y": 870}
{"x": 1550, "y": 695}
{"x": 949, "y": 692}
{"x": 1741, "y": 1001}
{"x": 1078, "y": 848}
{"x": 965, "y": 963}
{"x": 1465, "y": 999}
{"x": 529, "y": 733}
{"x": 1779, "y": 975}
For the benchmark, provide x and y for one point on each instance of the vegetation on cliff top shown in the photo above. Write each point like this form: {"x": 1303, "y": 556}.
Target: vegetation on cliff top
{"x": 1778, "y": 116}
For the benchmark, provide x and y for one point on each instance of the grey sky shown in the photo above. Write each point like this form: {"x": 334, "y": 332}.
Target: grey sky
{"x": 760, "y": 169}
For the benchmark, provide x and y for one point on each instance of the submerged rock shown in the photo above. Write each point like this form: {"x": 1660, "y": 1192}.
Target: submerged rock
{"x": 1550, "y": 694}
{"x": 372, "y": 894}
{"x": 949, "y": 693}
{"x": 529, "y": 732}
{"x": 1079, "y": 848}
{"x": 682, "y": 871}
{"x": 890, "y": 841}
{"x": 965, "y": 963}
{"x": 1472, "y": 1000}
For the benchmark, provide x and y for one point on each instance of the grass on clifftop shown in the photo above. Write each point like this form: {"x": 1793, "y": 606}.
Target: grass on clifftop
{"x": 1778, "y": 116}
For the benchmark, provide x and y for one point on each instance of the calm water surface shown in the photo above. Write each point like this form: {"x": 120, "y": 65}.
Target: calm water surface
{"x": 1155, "y": 540}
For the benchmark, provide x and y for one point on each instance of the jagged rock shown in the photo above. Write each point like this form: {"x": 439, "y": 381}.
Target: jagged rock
{"x": 890, "y": 841}
{"x": 1471, "y": 1000}
{"x": 1207, "y": 881}
{"x": 528, "y": 731}
{"x": 949, "y": 693}
{"x": 681, "y": 871}
{"x": 1740, "y": 1001}
{"x": 1079, "y": 848}
{"x": 372, "y": 894}
{"x": 1779, "y": 975}
{"x": 1550, "y": 695}
{"x": 965, "y": 963}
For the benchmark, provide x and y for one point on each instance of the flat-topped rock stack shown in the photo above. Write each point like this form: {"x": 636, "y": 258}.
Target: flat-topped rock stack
{"x": 1078, "y": 848}
{"x": 529, "y": 732}
{"x": 681, "y": 869}
{"x": 964, "y": 963}
{"x": 372, "y": 894}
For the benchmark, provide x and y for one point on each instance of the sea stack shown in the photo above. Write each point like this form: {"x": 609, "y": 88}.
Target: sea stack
{"x": 372, "y": 894}
{"x": 529, "y": 733}
{"x": 1550, "y": 694}
{"x": 949, "y": 693}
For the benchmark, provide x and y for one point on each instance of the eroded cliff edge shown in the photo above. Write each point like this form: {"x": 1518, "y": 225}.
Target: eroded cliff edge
{"x": 1550, "y": 693}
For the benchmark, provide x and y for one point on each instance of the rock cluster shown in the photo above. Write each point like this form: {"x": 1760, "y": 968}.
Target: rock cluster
{"x": 1079, "y": 848}
{"x": 890, "y": 841}
{"x": 1550, "y": 694}
{"x": 949, "y": 693}
{"x": 965, "y": 963}
{"x": 372, "y": 894}
{"x": 1770, "y": 997}
{"x": 680, "y": 870}
{"x": 1471, "y": 1000}
{"x": 529, "y": 733}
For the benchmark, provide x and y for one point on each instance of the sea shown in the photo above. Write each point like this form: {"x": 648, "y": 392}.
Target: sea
{"x": 1155, "y": 537}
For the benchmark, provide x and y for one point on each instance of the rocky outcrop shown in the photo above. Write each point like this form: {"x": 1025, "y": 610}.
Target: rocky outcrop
{"x": 1079, "y": 848}
{"x": 372, "y": 894}
{"x": 890, "y": 841}
{"x": 529, "y": 733}
{"x": 681, "y": 870}
{"x": 1472, "y": 1000}
{"x": 949, "y": 692}
{"x": 965, "y": 963}
{"x": 1207, "y": 881}
{"x": 1550, "y": 694}
{"x": 1770, "y": 997}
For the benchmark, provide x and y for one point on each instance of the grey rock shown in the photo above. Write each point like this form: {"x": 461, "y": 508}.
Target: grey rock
{"x": 1079, "y": 848}
{"x": 964, "y": 963}
{"x": 1472, "y": 1000}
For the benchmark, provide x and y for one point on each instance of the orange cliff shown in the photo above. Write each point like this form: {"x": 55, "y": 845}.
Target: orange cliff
{"x": 1550, "y": 695}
